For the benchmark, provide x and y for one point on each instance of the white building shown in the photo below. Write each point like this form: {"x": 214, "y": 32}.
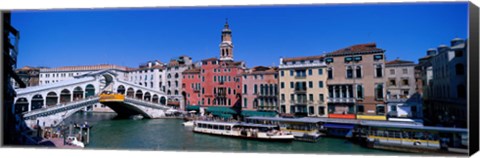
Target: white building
{"x": 402, "y": 99}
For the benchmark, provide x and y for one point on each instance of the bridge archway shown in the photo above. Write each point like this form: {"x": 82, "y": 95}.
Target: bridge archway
{"x": 121, "y": 89}
{"x": 21, "y": 105}
{"x": 51, "y": 99}
{"x": 130, "y": 92}
{"x": 65, "y": 96}
{"x": 147, "y": 97}
{"x": 77, "y": 93}
{"x": 37, "y": 102}
{"x": 163, "y": 100}
{"x": 89, "y": 91}
{"x": 139, "y": 94}
{"x": 155, "y": 98}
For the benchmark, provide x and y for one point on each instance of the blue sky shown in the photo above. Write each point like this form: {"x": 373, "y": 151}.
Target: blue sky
{"x": 261, "y": 34}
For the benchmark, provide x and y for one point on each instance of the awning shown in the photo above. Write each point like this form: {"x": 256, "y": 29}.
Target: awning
{"x": 248, "y": 113}
{"x": 218, "y": 110}
{"x": 334, "y": 125}
{"x": 192, "y": 107}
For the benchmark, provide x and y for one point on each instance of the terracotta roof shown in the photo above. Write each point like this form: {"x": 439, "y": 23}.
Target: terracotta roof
{"x": 173, "y": 63}
{"x": 210, "y": 59}
{"x": 359, "y": 48}
{"x": 398, "y": 61}
{"x": 262, "y": 70}
{"x": 317, "y": 57}
{"x": 191, "y": 71}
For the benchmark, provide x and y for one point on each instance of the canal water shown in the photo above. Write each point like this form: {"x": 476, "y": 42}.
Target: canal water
{"x": 169, "y": 135}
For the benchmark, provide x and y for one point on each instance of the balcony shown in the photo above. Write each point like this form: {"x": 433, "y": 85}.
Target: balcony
{"x": 299, "y": 90}
{"x": 300, "y": 77}
{"x": 220, "y": 94}
{"x": 341, "y": 100}
{"x": 320, "y": 102}
{"x": 282, "y": 101}
{"x": 266, "y": 95}
{"x": 299, "y": 102}
{"x": 196, "y": 89}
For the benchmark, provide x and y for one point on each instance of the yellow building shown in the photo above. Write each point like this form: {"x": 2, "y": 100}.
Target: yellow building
{"x": 303, "y": 89}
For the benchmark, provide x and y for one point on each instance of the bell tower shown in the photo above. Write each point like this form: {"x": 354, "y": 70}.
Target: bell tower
{"x": 226, "y": 46}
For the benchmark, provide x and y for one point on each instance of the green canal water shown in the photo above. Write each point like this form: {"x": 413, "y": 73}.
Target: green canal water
{"x": 170, "y": 135}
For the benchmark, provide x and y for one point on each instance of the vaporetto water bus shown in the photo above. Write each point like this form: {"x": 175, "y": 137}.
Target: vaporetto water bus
{"x": 242, "y": 130}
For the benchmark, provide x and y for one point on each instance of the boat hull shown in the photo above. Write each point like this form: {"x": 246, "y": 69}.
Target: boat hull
{"x": 250, "y": 138}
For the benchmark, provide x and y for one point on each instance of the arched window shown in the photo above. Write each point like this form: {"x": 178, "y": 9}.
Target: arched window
{"x": 358, "y": 72}
{"x": 330, "y": 73}
{"x": 378, "y": 71}
{"x": 176, "y": 75}
{"x": 349, "y": 72}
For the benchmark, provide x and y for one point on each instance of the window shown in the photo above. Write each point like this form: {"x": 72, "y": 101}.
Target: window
{"x": 292, "y": 97}
{"x": 378, "y": 71}
{"x": 310, "y": 96}
{"x": 245, "y": 89}
{"x": 392, "y": 82}
{"x": 349, "y": 72}
{"x": 393, "y": 108}
{"x": 380, "y": 109}
{"x": 405, "y": 71}
{"x": 392, "y": 71}
{"x": 255, "y": 89}
{"x": 359, "y": 92}
{"x": 320, "y": 84}
{"x": 291, "y": 72}
{"x": 405, "y": 92}
{"x": 330, "y": 73}
{"x": 214, "y": 78}
{"x": 321, "y": 110}
{"x": 245, "y": 103}
{"x": 358, "y": 72}
{"x": 320, "y": 71}
{"x": 310, "y": 110}
{"x": 357, "y": 58}
{"x": 310, "y": 84}
{"x": 360, "y": 109}
{"x": 348, "y": 59}
{"x": 282, "y": 96}
{"x": 282, "y": 73}
{"x": 310, "y": 72}
{"x": 329, "y": 60}
{"x": 405, "y": 82}
{"x": 291, "y": 84}
{"x": 377, "y": 57}
{"x": 459, "y": 70}
{"x": 379, "y": 92}
{"x": 321, "y": 97}
{"x": 282, "y": 85}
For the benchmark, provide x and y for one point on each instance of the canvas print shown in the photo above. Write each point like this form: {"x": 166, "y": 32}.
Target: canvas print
{"x": 383, "y": 79}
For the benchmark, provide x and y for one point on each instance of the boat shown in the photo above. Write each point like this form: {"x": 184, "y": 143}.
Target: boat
{"x": 136, "y": 117}
{"x": 188, "y": 123}
{"x": 73, "y": 141}
{"x": 242, "y": 130}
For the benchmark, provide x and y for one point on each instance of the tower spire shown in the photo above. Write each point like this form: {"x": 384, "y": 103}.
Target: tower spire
{"x": 226, "y": 46}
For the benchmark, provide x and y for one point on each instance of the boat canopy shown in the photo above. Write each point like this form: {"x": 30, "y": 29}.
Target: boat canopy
{"x": 254, "y": 125}
{"x": 334, "y": 125}
{"x": 193, "y": 107}
{"x": 248, "y": 113}
{"x": 219, "y": 110}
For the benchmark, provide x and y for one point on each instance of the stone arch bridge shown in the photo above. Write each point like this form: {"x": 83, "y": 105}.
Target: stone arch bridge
{"x": 48, "y": 105}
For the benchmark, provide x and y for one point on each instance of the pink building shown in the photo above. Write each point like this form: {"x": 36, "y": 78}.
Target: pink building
{"x": 260, "y": 89}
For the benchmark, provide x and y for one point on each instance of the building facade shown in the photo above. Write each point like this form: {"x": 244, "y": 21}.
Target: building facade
{"x": 29, "y": 75}
{"x": 356, "y": 82}
{"x": 191, "y": 86}
{"x": 260, "y": 89}
{"x": 446, "y": 103}
{"x": 53, "y": 75}
{"x": 403, "y": 100}
{"x": 303, "y": 87}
